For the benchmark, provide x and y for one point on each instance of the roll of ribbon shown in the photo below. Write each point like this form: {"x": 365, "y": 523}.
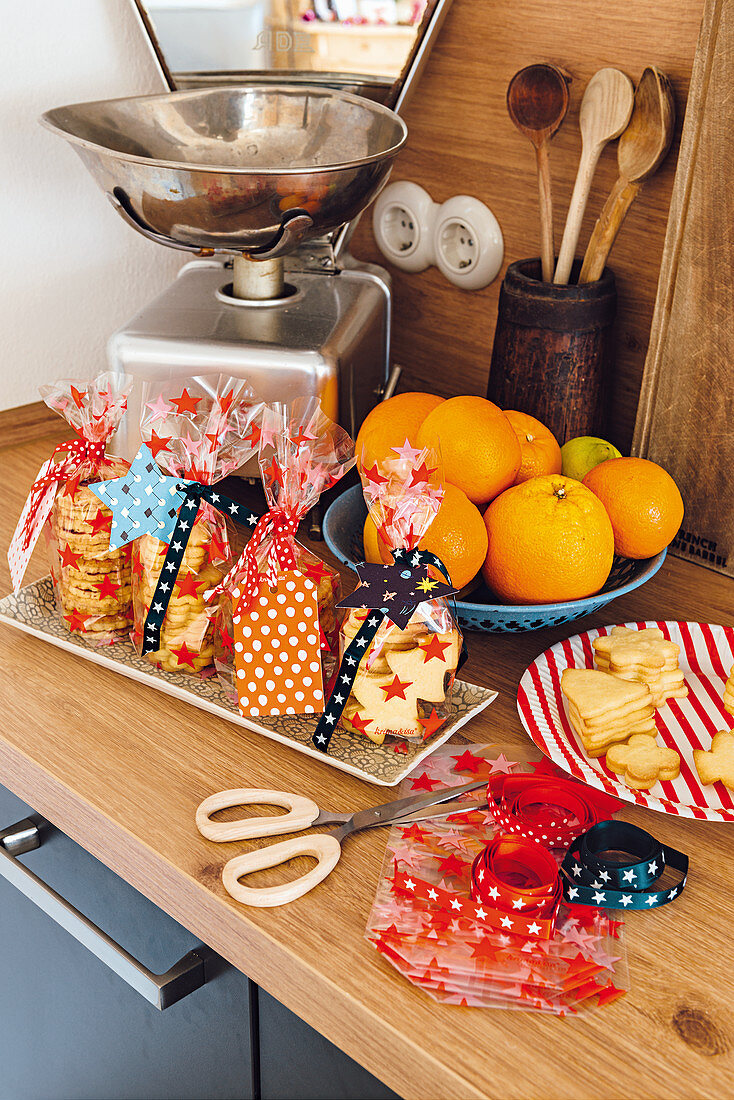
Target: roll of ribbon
{"x": 520, "y": 876}
{"x": 593, "y": 873}
{"x": 552, "y": 811}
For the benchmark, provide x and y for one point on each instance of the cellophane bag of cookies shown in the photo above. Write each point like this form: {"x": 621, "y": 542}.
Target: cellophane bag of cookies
{"x": 201, "y": 431}
{"x": 91, "y": 582}
{"x": 403, "y": 683}
{"x": 302, "y": 454}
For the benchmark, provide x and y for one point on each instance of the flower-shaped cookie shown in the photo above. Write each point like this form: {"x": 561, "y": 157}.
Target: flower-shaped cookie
{"x": 642, "y": 762}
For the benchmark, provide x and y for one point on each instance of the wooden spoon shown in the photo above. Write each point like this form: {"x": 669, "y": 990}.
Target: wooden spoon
{"x": 642, "y": 149}
{"x": 537, "y": 101}
{"x": 605, "y": 111}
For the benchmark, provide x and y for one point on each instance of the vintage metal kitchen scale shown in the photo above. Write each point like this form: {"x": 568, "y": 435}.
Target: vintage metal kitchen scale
{"x": 261, "y": 176}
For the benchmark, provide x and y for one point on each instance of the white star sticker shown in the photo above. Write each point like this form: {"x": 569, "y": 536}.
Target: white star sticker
{"x": 373, "y": 622}
{"x": 409, "y": 884}
{"x": 415, "y": 560}
{"x": 576, "y": 870}
{"x": 626, "y": 900}
{"x": 338, "y": 698}
{"x": 170, "y": 566}
{"x": 432, "y": 894}
{"x": 184, "y": 525}
{"x": 650, "y": 899}
{"x": 164, "y": 587}
{"x": 330, "y": 719}
{"x": 350, "y": 661}
{"x": 252, "y": 520}
{"x": 533, "y": 929}
{"x": 506, "y": 922}
{"x": 177, "y": 546}
{"x": 599, "y": 897}
{"x": 479, "y": 913}
{"x": 214, "y": 498}
{"x": 345, "y": 679}
{"x": 233, "y": 509}
{"x": 572, "y": 892}
{"x": 321, "y": 739}
{"x": 157, "y": 606}
{"x": 672, "y": 894}
{"x": 494, "y": 893}
{"x": 604, "y": 876}
{"x": 629, "y": 876}
{"x": 362, "y": 641}
{"x": 455, "y": 904}
{"x": 652, "y": 868}
{"x": 518, "y": 903}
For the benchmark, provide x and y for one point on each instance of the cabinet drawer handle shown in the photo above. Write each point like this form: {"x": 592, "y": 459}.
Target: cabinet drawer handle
{"x": 161, "y": 990}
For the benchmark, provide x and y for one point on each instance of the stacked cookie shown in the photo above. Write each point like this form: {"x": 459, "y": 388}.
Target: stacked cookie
{"x": 403, "y": 678}
{"x": 729, "y": 692}
{"x": 92, "y": 582}
{"x": 645, "y": 657}
{"x": 604, "y": 709}
{"x": 186, "y": 643}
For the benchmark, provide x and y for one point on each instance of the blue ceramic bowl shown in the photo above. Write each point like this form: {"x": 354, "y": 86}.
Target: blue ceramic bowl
{"x": 343, "y": 524}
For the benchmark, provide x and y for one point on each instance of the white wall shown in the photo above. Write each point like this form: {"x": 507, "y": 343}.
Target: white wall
{"x": 71, "y": 271}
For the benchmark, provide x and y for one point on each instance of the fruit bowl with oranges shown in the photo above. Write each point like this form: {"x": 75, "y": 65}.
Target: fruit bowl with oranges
{"x": 528, "y": 545}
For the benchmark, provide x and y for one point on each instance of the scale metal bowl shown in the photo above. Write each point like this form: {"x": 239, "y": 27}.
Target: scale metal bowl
{"x": 252, "y": 170}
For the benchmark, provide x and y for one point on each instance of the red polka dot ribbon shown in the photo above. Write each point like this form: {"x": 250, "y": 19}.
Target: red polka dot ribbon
{"x": 521, "y": 878}
{"x": 279, "y": 527}
{"x": 76, "y": 453}
{"x": 551, "y": 811}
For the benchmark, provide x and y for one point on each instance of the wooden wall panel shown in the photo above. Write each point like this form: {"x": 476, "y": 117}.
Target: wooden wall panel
{"x": 461, "y": 141}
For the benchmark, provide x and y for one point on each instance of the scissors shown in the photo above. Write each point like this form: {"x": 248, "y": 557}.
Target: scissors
{"x": 305, "y": 814}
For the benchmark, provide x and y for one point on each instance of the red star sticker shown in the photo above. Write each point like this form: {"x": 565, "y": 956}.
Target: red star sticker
{"x": 217, "y": 548}
{"x": 77, "y": 397}
{"x": 401, "y": 747}
{"x": 484, "y": 949}
{"x": 395, "y": 690}
{"x": 302, "y": 437}
{"x": 431, "y": 724}
{"x": 451, "y": 866}
{"x": 273, "y": 470}
{"x": 434, "y": 648}
{"x": 226, "y": 639}
{"x": 68, "y": 557}
{"x": 107, "y": 588}
{"x": 184, "y": 655}
{"x": 186, "y": 585}
{"x": 359, "y": 723}
{"x": 137, "y": 566}
{"x": 185, "y": 403}
{"x": 71, "y": 486}
{"x": 372, "y": 474}
{"x": 225, "y": 402}
{"x": 76, "y": 620}
{"x": 414, "y": 832}
{"x": 158, "y": 443}
{"x": 468, "y": 762}
{"x": 421, "y": 475}
{"x": 100, "y": 522}
{"x": 253, "y": 436}
{"x": 545, "y": 767}
{"x": 424, "y": 783}
{"x": 609, "y": 993}
{"x": 213, "y": 438}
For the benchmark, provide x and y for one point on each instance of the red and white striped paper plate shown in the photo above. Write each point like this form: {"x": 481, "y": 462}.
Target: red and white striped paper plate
{"x": 706, "y": 658}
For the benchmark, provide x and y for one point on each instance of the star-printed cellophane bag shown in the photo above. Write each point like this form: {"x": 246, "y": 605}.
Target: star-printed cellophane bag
{"x": 91, "y": 582}
{"x": 275, "y": 622}
{"x": 403, "y": 684}
{"x": 201, "y": 431}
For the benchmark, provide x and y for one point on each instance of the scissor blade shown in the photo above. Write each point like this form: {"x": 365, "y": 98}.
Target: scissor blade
{"x": 396, "y": 811}
{"x": 443, "y": 810}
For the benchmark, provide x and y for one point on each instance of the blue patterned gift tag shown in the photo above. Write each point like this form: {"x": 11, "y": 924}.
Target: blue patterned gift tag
{"x": 144, "y": 501}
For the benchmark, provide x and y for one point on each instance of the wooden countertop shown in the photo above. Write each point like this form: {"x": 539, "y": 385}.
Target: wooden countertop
{"x": 121, "y": 769}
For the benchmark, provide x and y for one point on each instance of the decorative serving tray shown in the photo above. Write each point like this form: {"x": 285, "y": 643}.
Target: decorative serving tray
{"x": 33, "y": 610}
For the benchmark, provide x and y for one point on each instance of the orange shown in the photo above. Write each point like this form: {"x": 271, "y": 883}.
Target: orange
{"x": 390, "y": 423}
{"x": 539, "y": 450}
{"x": 457, "y": 536}
{"x": 550, "y": 540}
{"x": 477, "y": 444}
{"x": 643, "y": 502}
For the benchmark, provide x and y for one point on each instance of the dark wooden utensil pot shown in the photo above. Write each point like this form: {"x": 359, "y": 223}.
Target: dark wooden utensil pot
{"x": 552, "y": 354}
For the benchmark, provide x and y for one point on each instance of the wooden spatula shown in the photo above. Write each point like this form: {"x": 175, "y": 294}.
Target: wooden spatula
{"x": 537, "y": 101}
{"x": 642, "y": 149}
{"x": 605, "y": 112}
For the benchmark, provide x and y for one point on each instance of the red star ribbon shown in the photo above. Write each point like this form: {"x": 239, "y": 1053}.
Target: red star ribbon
{"x": 521, "y": 878}
{"x": 72, "y": 456}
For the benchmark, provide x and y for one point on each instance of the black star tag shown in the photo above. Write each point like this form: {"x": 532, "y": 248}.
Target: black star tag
{"x": 404, "y": 585}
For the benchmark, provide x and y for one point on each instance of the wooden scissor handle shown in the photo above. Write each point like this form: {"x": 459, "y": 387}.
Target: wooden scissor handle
{"x": 302, "y": 812}
{"x": 325, "y": 848}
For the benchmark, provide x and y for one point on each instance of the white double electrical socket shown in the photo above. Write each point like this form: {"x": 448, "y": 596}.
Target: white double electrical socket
{"x": 461, "y": 237}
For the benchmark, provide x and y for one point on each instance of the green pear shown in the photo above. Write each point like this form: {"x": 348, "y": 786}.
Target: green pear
{"x": 584, "y": 453}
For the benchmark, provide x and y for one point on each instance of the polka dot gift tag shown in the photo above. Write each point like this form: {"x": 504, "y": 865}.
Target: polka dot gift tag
{"x": 277, "y": 650}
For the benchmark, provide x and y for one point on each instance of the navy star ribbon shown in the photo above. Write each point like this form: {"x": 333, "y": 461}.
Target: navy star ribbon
{"x": 357, "y": 648}
{"x": 195, "y": 491}
{"x": 591, "y": 877}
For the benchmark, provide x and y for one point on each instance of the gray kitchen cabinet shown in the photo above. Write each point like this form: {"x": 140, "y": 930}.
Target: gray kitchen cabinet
{"x": 71, "y": 1029}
